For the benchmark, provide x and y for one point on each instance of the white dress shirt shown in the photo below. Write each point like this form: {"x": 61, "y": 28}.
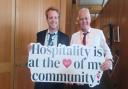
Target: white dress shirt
{"x": 95, "y": 37}
{"x": 54, "y": 38}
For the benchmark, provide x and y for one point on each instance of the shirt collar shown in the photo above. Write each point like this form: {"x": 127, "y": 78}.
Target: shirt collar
{"x": 53, "y": 32}
{"x": 86, "y": 31}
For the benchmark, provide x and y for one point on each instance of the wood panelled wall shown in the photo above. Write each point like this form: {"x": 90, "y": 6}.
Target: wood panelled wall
{"x": 116, "y": 13}
{"x": 20, "y": 21}
{"x": 27, "y": 15}
{"x": 6, "y": 42}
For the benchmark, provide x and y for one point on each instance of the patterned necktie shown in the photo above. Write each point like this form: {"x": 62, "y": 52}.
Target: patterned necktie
{"x": 84, "y": 38}
{"x": 50, "y": 41}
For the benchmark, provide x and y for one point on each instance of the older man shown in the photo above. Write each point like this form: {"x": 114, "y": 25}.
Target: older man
{"x": 91, "y": 37}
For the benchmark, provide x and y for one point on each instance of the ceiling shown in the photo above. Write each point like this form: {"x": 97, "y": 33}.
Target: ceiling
{"x": 95, "y": 6}
{"x": 91, "y": 2}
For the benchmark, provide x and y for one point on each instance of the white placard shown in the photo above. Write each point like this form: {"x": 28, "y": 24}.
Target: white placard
{"x": 66, "y": 64}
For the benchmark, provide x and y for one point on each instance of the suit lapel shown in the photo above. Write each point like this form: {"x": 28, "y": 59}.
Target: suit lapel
{"x": 43, "y": 36}
{"x": 58, "y": 41}
{"x": 59, "y": 38}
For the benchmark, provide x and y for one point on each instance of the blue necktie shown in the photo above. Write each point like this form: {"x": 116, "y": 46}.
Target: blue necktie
{"x": 50, "y": 41}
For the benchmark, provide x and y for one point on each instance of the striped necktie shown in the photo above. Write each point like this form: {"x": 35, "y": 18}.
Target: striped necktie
{"x": 50, "y": 41}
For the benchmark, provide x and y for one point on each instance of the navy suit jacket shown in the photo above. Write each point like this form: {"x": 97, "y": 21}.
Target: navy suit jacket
{"x": 62, "y": 38}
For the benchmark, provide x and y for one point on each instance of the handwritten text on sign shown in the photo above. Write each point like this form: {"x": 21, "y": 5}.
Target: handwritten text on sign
{"x": 66, "y": 64}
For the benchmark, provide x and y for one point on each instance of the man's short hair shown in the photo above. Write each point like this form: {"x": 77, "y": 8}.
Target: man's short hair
{"x": 51, "y": 9}
{"x": 84, "y": 10}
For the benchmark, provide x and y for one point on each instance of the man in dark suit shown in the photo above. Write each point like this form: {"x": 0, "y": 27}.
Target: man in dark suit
{"x": 61, "y": 38}
{"x": 51, "y": 37}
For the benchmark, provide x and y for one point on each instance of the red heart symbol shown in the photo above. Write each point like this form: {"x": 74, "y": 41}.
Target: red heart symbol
{"x": 67, "y": 62}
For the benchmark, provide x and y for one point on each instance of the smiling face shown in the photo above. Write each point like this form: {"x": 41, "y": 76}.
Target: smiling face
{"x": 53, "y": 20}
{"x": 84, "y": 19}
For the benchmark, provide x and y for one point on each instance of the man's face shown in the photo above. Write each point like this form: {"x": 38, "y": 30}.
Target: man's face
{"x": 53, "y": 20}
{"x": 84, "y": 20}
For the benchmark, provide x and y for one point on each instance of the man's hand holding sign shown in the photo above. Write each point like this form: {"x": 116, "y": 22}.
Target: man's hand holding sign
{"x": 66, "y": 64}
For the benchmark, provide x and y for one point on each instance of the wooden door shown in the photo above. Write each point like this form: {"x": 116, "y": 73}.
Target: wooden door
{"x": 26, "y": 28}
{"x": 6, "y": 43}
{"x": 30, "y": 18}
{"x": 20, "y": 20}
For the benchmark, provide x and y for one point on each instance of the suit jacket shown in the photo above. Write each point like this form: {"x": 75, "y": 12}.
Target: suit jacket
{"x": 62, "y": 38}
